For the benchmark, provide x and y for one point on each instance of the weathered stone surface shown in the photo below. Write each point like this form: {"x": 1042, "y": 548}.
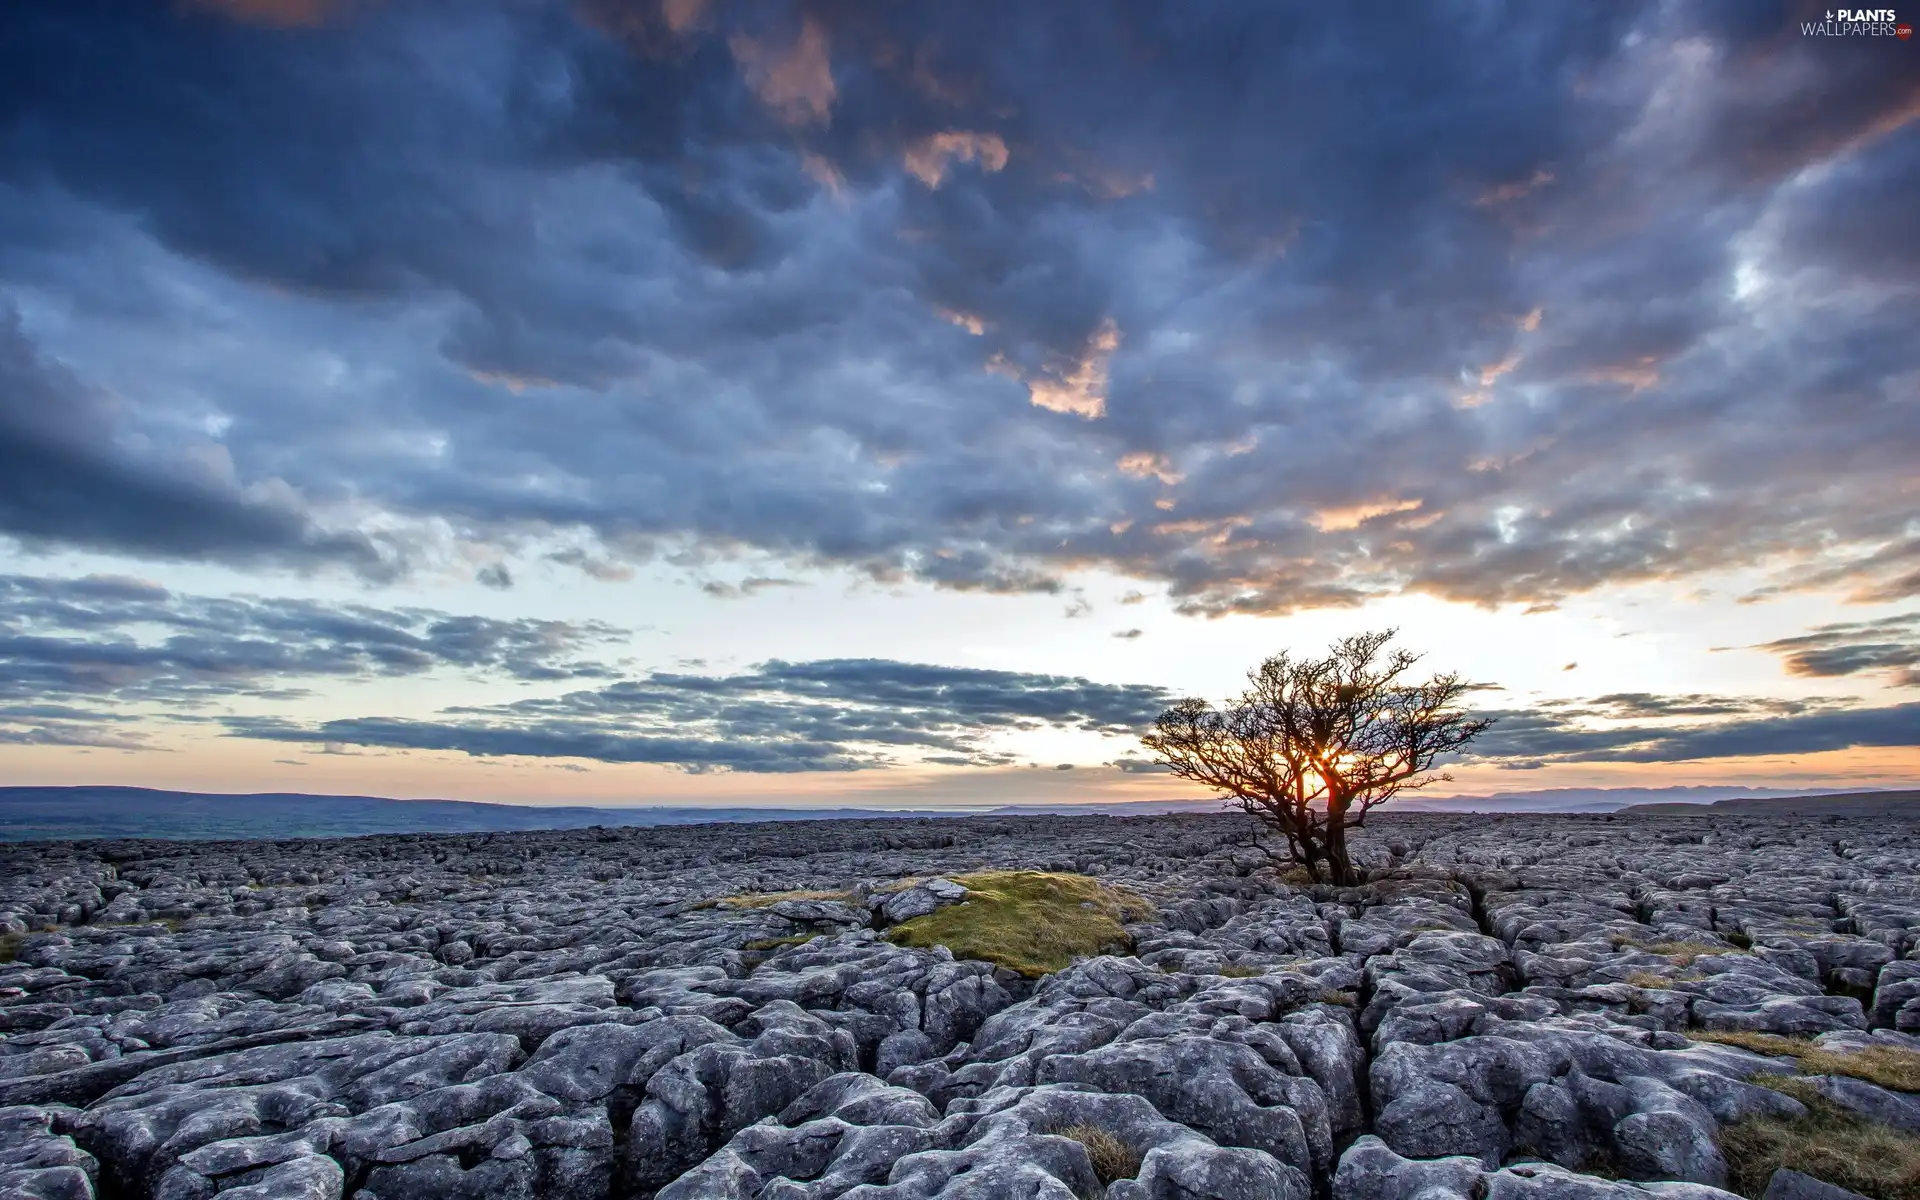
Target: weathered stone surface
{"x": 1792, "y": 1185}
{"x": 575, "y": 1015}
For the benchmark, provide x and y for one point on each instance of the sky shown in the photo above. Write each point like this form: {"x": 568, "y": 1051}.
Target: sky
{"x": 821, "y": 402}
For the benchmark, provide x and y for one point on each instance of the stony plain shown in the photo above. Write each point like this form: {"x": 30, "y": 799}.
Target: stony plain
{"x": 1540, "y": 1007}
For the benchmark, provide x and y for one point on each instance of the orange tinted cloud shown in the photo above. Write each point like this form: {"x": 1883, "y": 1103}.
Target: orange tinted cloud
{"x": 682, "y": 15}
{"x": 1489, "y": 375}
{"x": 1142, "y": 464}
{"x": 1352, "y": 516}
{"x": 928, "y": 159}
{"x": 1081, "y": 391}
{"x": 796, "y": 81}
{"x": 1638, "y": 375}
{"x": 1507, "y": 192}
{"x": 967, "y": 321}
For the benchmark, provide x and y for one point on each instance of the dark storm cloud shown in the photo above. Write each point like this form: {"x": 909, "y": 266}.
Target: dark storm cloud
{"x": 829, "y": 715}
{"x": 74, "y": 652}
{"x": 1273, "y": 307}
{"x": 863, "y": 714}
{"x": 1889, "y": 646}
{"x": 694, "y": 755}
{"x": 64, "y": 481}
{"x": 1532, "y": 738}
{"x": 1620, "y": 706}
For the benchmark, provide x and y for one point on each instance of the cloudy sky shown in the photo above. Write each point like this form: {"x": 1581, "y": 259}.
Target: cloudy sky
{"x": 832, "y": 402}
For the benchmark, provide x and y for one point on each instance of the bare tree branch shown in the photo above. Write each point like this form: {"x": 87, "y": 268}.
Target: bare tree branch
{"x": 1314, "y": 745}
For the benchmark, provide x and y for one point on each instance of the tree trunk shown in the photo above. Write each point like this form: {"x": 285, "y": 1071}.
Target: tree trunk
{"x": 1339, "y": 865}
{"x": 1313, "y": 857}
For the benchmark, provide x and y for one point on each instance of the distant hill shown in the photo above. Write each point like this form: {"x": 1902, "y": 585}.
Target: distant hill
{"x": 1596, "y": 800}
{"x": 78, "y": 813}
{"x": 74, "y": 813}
{"x": 1828, "y": 804}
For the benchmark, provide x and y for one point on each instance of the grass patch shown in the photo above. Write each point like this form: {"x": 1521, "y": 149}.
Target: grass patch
{"x": 1894, "y": 1067}
{"x": 1032, "y": 922}
{"x": 1743, "y": 941}
{"x": 1889, "y": 1066}
{"x": 10, "y": 943}
{"x": 1759, "y": 1043}
{"x": 1654, "y": 980}
{"x": 769, "y": 899}
{"x": 1683, "y": 954}
{"x": 1828, "y": 1143}
{"x": 762, "y": 945}
{"x": 1680, "y": 954}
{"x": 1240, "y": 972}
{"x": 1111, "y": 1158}
{"x": 1343, "y": 999}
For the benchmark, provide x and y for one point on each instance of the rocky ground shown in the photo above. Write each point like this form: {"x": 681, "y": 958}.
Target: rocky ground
{"x": 1510, "y": 1002}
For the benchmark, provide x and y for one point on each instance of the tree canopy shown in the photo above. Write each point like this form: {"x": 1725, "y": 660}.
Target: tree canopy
{"x": 1315, "y": 744}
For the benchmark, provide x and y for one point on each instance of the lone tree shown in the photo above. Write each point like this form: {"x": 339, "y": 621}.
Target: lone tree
{"x": 1314, "y": 745}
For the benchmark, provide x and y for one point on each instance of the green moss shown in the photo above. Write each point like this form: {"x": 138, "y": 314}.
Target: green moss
{"x": 1828, "y": 1143}
{"x": 1032, "y": 922}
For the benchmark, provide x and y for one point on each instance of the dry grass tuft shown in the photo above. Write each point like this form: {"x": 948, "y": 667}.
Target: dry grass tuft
{"x": 1828, "y": 1143}
{"x": 1894, "y": 1067}
{"x": 1343, "y": 999}
{"x": 1235, "y": 971}
{"x": 1112, "y": 1158}
{"x": 768, "y": 899}
{"x": 1032, "y": 922}
{"x": 1889, "y": 1066}
{"x": 10, "y": 946}
{"x": 1759, "y": 1043}
{"x": 1653, "y": 979}
{"x": 1683, "y": 954}
{"x": 760, "y": 945}
{"x": 1680, "y": 954}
